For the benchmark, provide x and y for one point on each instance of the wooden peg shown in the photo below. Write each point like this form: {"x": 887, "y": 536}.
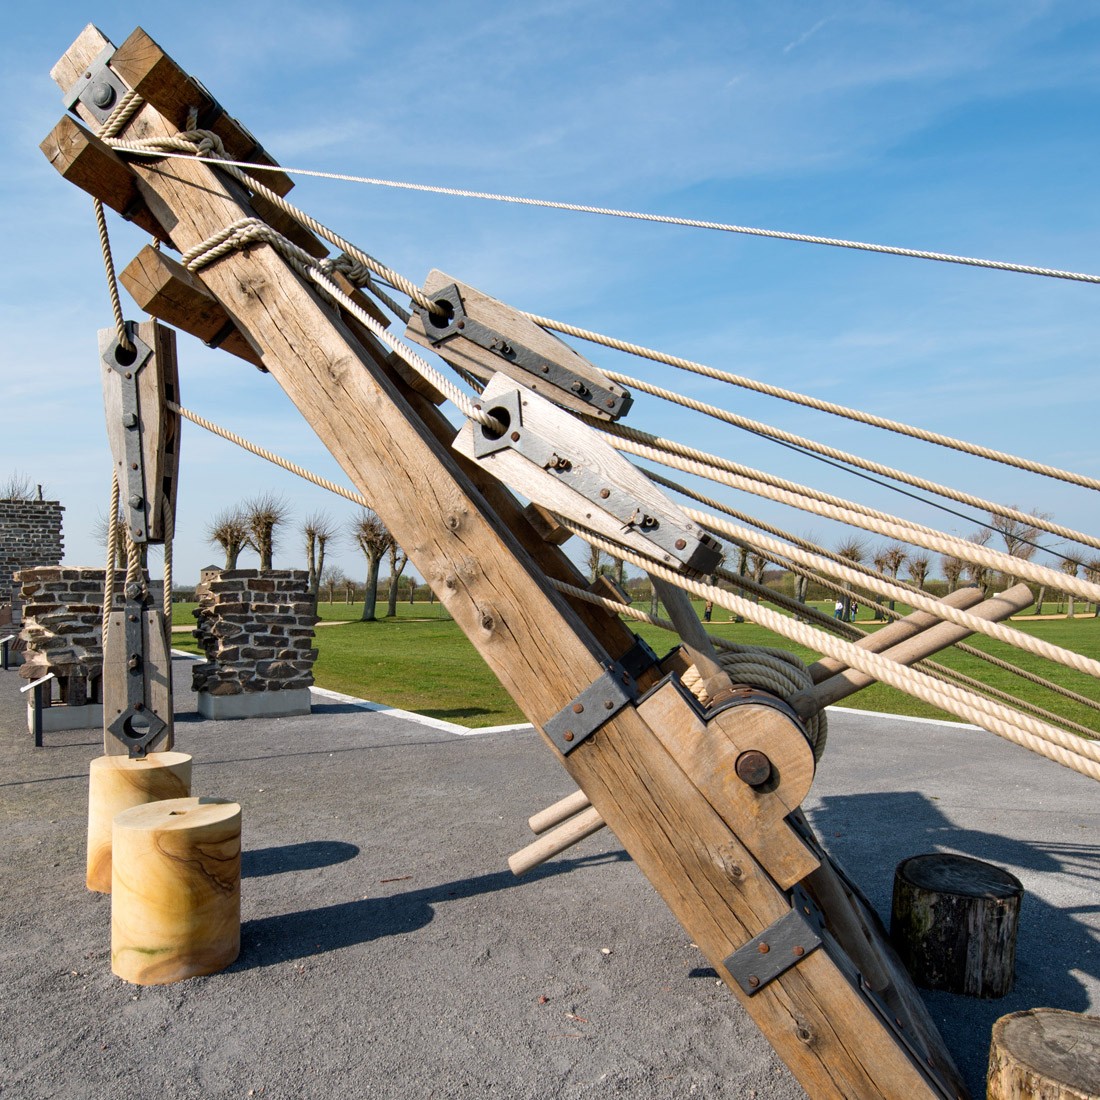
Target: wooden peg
{"x": 556, "y": 840}
{"x": 558, "y": 812}
{"x": 546, "y": 525}
{"x": 165, "y": 289}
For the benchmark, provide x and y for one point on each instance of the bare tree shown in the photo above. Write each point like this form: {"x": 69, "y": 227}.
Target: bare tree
{"x": 953, "y": 568}
{"x": 1092, "y": 573}
{"x": 919, "y": 564}
{"x": 19, "y": 487}
{"x": 980, "y": 574}
{"x": 855, "y": 550}
{"x": 894, "y": 556}
{"x": 229, "y": 530}
{"x": 398, "y": 560}
{"x": 372, "y": 537}
{"x": 331, "y": 579}
{"x": 1069, "y": 567}
{"x": 320, "y": 532}
{"x": 757, "y": 565}
{"x": 262, "y": 514}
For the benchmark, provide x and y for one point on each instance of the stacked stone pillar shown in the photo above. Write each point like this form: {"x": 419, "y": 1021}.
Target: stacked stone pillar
{"x": 256, "y": 630}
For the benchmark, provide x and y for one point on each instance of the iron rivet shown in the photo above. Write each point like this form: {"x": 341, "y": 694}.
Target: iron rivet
{"x": 799, "y": 951}
{"x": 605, "y": 493}
{"x": 567, "y": 736}
{"x": 103, "y": 95}
{"x": 514, "y": 437}
{"x": 129, "y": 374}
{"x": 133, "y": 618}
{"x": 139, "y": 706}
{"x": 610, "y": 402}
{"x": 133, "y": 465}
{"x": 578, "y": 708}
{"x": 136, "y": 501}
{"x": 763, "y": 948}
{"x": 609, "y": 704}
{"x": 754, "y": 981}
{"x": 681, "y": 544}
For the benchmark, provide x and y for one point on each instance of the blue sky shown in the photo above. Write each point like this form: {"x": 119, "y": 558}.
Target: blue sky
{"x": 962, "y": 127}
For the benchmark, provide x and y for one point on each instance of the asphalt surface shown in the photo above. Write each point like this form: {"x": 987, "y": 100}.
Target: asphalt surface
{"x": 387, "y": 950}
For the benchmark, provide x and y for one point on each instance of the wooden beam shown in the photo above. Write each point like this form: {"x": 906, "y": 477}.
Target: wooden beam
{"x": 81, "y": 158}
{"x": 166, "y": 289}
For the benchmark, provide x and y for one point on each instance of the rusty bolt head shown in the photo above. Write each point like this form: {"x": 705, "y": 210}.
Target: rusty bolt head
{"x": 609, "y": 704}
{"x": 578, "y": 708}
{"x": 139, "y": 706}
{"x": 763, "y": 948}
{"x": 129, "y": 374}
{"x": 754, "y": 981}
{"x": 753, "y": 767}
{"x": 605, "y": 493}
{"x": 681, "y": 544}
{"x": 798, "y": 950}
{"x": 567, "y": 736}
{"x": 610, "y": 402}
{"x": 514, "y": 437}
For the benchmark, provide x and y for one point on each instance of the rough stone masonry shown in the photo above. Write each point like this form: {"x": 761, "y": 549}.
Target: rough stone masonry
{"x": 30, "y": 534}
{"x": 256, "y": 629}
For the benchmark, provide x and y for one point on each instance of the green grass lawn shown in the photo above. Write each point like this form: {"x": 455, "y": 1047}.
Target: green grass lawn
{"x": 421, "y": 661}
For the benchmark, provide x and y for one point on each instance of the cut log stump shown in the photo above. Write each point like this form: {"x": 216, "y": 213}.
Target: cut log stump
{"x": 954, "y": 921}
{"x": 176, "y": 890}
{"x": 1045, "y": 1052}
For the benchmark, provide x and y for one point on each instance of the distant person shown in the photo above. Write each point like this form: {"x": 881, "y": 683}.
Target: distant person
{"x": 708, "y": 608}
{"x": 838, "y": 612}
{"x": 855, "y": 611}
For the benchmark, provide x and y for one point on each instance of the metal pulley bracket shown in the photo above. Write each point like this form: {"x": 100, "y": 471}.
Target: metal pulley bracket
{"x": 137, "y": 726}
{"x": 567, "y": 467}
{"x": 597, "y": 704}
{"x": 127, "y": 365}
{"x": 97, "y": 89}
{"x": 482, "y": 336}
{"x": 783, "y": 944}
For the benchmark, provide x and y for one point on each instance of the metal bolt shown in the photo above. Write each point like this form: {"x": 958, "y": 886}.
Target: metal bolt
{"x": 461, "y": 324}
{"x": 610, "y": 402}
{"x": 136, "y": 501}
{"x": 133, "y": 465}
{"x": 545, "y": 369}
{"x": 514, "y": 437}
{"x": 129, "y": 374}
{"x": 134, "y": 662}
{"x": 799, "y": 950}
{"x": 753, "y": 767}
{"x": 139, "y": 706}
{"x": 131, "y": 420}
{"x": 567, "y": 736}
{"x": 137, "y": 532}
{"x": 605, "y": 493}
{"x": 609, "y": 704}
{"x": 103, "y": 95}
{"x": 578, "y": 387}
{"x": 681, "y": 544}
{"x": 763, "y": 948}
{"x": 133, "y": 618}
{"x": 578, "y": 708}
{"x": 754, "y": 981}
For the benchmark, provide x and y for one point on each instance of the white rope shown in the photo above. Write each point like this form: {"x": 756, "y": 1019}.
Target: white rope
{"x": 662, "y": 219}
{"x": 726, "y": 472}
{"x": 759, "y": 428}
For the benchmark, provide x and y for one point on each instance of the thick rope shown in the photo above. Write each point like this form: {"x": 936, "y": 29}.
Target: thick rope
{"x": 759, "y": 428}
{"x": 112, "y": 553}
{"x": 726, "y": 472}
{"x": 818, "y": 404}
{"x": 666, "y": 219}
{"x": 168, "y": 521}
{"x": 112, "y": 280}
{"x": 1055, "y": 744}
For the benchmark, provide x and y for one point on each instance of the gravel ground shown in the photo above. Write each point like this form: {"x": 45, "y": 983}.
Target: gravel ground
{"x": 387, "y": 950}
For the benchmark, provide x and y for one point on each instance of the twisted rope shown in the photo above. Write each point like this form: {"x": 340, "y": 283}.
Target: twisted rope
{"x": 112, "y": 552}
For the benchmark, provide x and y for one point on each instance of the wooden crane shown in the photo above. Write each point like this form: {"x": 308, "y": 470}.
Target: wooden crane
{"x": 705, "y": 800}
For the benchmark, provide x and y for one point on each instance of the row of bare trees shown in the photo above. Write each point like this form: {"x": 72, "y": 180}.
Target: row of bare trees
{"x": 252, "y": 525}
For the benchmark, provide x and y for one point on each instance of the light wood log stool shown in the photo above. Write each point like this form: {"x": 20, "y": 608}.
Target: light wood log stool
{"x": 176, "y": 890}
{"x": 1045, "y": 1052}
{"x": 953, "y": 922}
{"x": 116, "y": 783}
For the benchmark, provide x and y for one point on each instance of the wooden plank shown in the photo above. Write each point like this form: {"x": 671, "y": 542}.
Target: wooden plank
{"x": 160, "y": 81}
{"x": 537, "y": 646}
{"x": 158, "y": 680}
{"x": 157, "y": 382}
{"x": 483, "y": 363}
{"x": 166, "y": 289}
{"x": 581, "y": 446}
{"x": 81, "y": 158}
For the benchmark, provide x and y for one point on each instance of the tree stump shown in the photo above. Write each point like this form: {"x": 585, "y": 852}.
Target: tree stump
{"x": 116, "y": 783}
{"x": 954, "y": 921}
{"x": 176, "y": 890}
{"x": 1046, "y": 1053}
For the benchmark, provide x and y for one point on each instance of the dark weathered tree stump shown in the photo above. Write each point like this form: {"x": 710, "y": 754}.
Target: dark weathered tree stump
{"x": 954, "y": 922}
{"x": 1046, "y": 1053}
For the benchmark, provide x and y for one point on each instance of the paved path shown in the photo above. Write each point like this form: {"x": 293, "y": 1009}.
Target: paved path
{"x": 388, "y": 952}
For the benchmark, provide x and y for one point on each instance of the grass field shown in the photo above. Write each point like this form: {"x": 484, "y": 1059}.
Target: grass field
{"x": 421, "y": 661}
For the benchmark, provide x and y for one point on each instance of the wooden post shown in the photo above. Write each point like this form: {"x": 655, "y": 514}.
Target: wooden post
{"x": 117, "y": 783}
{"x": 1047, "y": 1053}
{"x": 954, "y": 923}
{"x": 176, "y": 890}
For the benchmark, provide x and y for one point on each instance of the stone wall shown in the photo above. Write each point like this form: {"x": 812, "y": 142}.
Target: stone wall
{"x": 256, "y": 630}
{"x": 62, "y": 628}
{"x": 30, "y": 535}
